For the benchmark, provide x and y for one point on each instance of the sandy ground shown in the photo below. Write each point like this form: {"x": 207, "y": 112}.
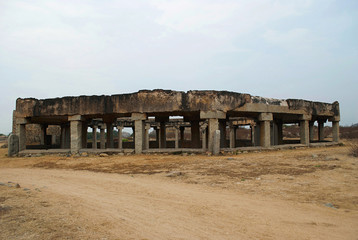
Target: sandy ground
{"x": 288, "y": 194}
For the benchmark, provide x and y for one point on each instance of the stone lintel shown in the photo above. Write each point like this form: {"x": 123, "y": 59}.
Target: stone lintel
{"x": 334, "y": 119}
{"x": 212, "y": 114}
{"x": 191, "y": 118}
{"x": 21, "y": 121}
{"x": 305, "y": 117}
{"x": 75, "y": 118}
{"x": 138, "y": 116}
{"x": 265, "y": 117}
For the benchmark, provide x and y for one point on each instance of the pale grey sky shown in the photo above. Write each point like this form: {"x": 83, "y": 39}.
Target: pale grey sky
{"x": 271, "y": 48}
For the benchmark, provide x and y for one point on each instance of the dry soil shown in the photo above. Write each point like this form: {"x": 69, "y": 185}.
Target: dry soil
{"x": 290, "y": 194}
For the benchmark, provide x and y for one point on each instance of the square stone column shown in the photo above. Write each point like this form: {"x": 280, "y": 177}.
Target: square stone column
{"x": 162, "y": 135}
{"x": 216, "y": 142}
{"x": 213, "y": 120}
{"x": 139, "y": 129}
{"x": 195, "y": 134}
{"x": 63, "y": 136}
{"x": 304, "y": 129}
{"x": 182, "y": 130}
{"x": 146, "y": 136}
{"x": 311, "y": 129}
{"x": 110, "y": 143}
{"x": 203, "y": 128}
{"x": 265, "y": 131}
{"x": 321, "y": 131}
{"x": 21, "y": 132}
{"x": 43, "y": 134}
{"x": 102, "y": 137}
{"x": 335, "y": 131}
{"x": 84, "y": 134}
{"x": 232, "y": 136}
{"x": 222, "y": 128}
{"x": 76, "y": 132}
{"x": 176, "y": 133}
{"x": 94, "y": 137}
{"x": 120, "y": 136}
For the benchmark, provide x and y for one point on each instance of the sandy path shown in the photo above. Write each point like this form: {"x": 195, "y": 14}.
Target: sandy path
{"x": 149, "y": 207}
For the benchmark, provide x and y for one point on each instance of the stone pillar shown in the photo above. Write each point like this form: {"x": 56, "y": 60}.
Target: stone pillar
{"x": 222, "y": 128}
{"x": 274, "y": 133}
{"x": 43, "y": 128}
{"x": 304, "y": 129}
{"x": 157, "y": 136}
{"x": 232, "y": 136}
{"x": 139, "y": 129}
{"x": 265, "y": 138}
{"x": 94, "y": 136}
{"x": 213, "y": 120}
{"x": 203, "y": 128}
{"x": 21, "y": 133}
{"x": 110, "y": 135}
{"x": 257, "y": 131}
{"x": 176, "y": 132}
{"x": 146, "y": 136}
{"x": 63, "y": 136}
{"x": 67, "y": 137}
{"x": 335, "y": 131}
{"x": 195, "y": 134}
{"x": 216, "y": 144}
{"x": 311, "y": 130}
{"x": 102, "y": 137}
{"x": 120, "y": 136}
{"x": 320, "y": 131}
{"x": 84, "y": 134}
{"x": 13, "y": 145}
{"x": 252, "y": 127}
{"x": 162, "y": 135}
{"x": 76, "y": 132}
{"x": 182, "y": 130}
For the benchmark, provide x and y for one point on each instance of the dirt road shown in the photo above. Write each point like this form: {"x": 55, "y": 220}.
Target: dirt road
{"x": 291, "y": 194}
{"x": 146, "y": 207}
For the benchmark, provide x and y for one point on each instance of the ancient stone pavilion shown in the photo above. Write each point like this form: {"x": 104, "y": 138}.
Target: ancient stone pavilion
{"x": 198, "y": 121}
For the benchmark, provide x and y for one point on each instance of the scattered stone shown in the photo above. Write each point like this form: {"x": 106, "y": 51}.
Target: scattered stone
{"x": 230, "y": 158}
{"x": 121, "y": 154}
{"x": 258, "y": 178}
{"x": 4, "y": 146}
{"x": 330, "y": 205}
{"x": 26, "y": 189}
{"x": 245, "y": 152}
{"x": 103, "y": 155}
{"x": 4, "y": 208}
{"x": 17, "y": 185}
{"x": 37, "y": 155}
{"x": 174, "y": 174}
{"x": 314, "y": 156}
{"x": 2, "y": 184}
{"x": 37, "y": 189}
{"x": 84, "y": 154}
{"x": 193, "y": 154}
{"x": 328, "y": 158}
{"x": 184, "y": 154}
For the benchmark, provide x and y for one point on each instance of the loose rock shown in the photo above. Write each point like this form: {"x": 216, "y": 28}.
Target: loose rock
{"x": 103, "y": 155}
{"x": 174, "y": 174}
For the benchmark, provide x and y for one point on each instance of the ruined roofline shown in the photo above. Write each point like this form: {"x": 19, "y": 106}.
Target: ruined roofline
{"x": 168, "y": 101}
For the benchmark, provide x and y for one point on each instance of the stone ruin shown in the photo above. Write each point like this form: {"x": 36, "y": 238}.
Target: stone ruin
{"x": 211, "y": 117}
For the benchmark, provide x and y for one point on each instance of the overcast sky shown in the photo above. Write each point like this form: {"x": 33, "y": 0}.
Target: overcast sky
{"x": 272, "y": 48}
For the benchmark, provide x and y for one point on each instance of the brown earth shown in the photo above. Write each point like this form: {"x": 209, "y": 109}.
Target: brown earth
{"x": 289, "y": 194}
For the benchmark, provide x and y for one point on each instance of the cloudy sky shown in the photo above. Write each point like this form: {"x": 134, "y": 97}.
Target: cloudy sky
{"x": 272, "y": 48}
